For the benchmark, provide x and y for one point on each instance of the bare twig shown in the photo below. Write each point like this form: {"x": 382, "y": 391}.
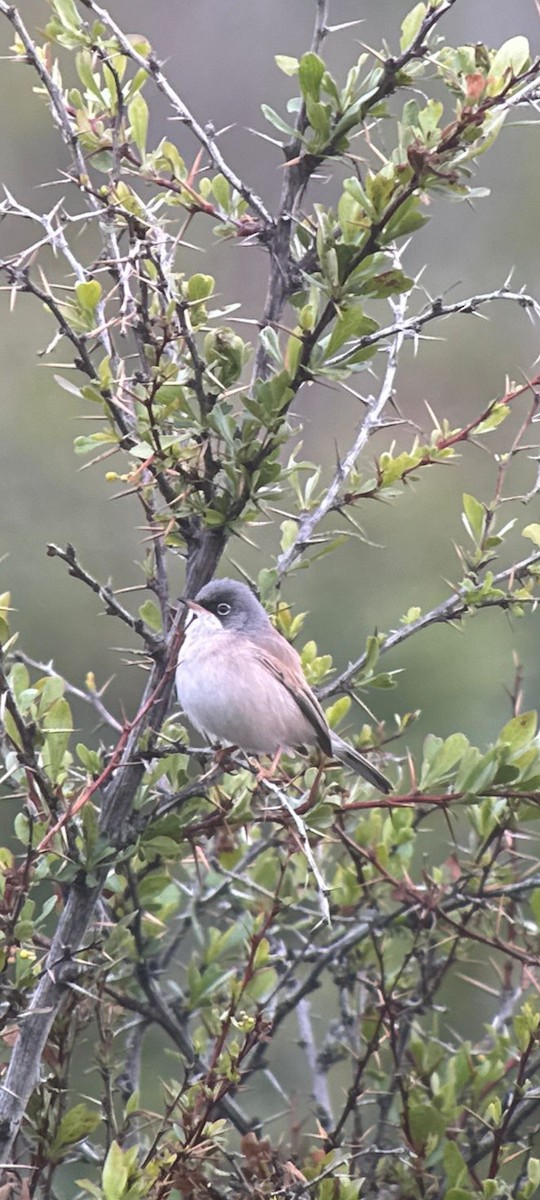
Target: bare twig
{"x": 309, "y": 520}
{"x": 90, "y": 697}
{"x": 154, "y": 644}
{"x": 450, "y": 610}
{"x": 437, "y": 309}
{"x": 204, "y": 136}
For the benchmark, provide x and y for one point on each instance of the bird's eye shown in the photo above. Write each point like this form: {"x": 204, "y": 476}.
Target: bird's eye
{"x": 223, "y": 609}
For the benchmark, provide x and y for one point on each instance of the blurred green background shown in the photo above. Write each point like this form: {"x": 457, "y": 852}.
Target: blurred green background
{"x": 220, "y": 56}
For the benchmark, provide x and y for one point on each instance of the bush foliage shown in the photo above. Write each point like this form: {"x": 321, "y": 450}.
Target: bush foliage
{"x": 284, "y": 939}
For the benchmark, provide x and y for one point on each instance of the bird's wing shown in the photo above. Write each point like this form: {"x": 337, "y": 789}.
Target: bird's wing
{"x": 283, "y": 662}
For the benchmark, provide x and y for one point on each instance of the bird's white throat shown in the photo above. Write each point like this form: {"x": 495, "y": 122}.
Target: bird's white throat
{"x": 199, "y": 628}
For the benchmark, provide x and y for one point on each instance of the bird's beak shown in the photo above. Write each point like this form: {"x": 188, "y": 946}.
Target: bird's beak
{"x": 193, "y": 606}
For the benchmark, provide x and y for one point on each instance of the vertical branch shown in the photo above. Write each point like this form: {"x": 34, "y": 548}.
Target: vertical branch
{"x": 321, "y": 1094}
{"x": 308, "y": 521}
{"x": 297, "y": 171}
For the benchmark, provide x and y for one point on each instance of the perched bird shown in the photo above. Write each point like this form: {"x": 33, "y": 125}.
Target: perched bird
{"x": 241, "y": 684}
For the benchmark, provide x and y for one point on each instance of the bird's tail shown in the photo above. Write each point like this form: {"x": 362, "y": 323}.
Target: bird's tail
{"x": 356, "y": 762}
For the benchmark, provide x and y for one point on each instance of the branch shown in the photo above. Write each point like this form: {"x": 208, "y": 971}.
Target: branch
{"x": 298, "y": 169}
{"x": 309, "y": 521}
{"x": 153, "y": 642}
{"x": 204, "y": 136}
{"x": 23, "y": 746}
{"x": 81, "y": 897}
{"x": 58, "y": 107}
{"x": 520, "y": 1115}
{"x": 450, "y": 610}
{"x": 92, "y": 698}
{"x": 434, "y": 311}
{"x": 307, "y": 1042}
{"x": 70, "y": 137}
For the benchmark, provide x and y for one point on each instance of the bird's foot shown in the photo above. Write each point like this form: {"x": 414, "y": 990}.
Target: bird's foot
{"x": 268, "y": 772}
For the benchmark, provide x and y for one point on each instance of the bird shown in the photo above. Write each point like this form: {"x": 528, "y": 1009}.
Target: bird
{"x": 241, "y": 683}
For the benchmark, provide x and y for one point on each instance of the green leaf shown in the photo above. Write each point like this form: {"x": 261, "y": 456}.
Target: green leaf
{"x": 353, "y": 323}
{"x": 57, "y": 727}
{"x": 77, "y": 1123}
{"x": 454, "y": 1163}
{"x": 533, "y": 1171}
{"x": 474, "y": 517}
{"x": 520, "y": 731}
{"x": 90, "y": 759}
{"x": 499, "y": 412}
{"x": 477, "y": 770}
{"x": 138, "y": 119}
{"x": 95, "y": 441}
{"x": 525, "y": 1025}
{"x": 386, "y": 283}
{"x": 83, "y": 63}
{"x": 288, "y": 65}
{"x": 88, "y": 295}
{"x": 289, "y": 530}
{"x": 132, "y": 1104}
{"x": 91, "y": 1188}
{"x": 410, "y": 26}
{"x": 68, "y": 13}
{"x": 150, "y": 614}
{"x": 372, "y": 654}
{"x": 19, "y": 680}
{"x": 407, "y": 219}
{"x": 424, "y": 1120}
{"x": 67, "y": 386}
{"x": 440, "y": 759}
{"x": 115, "y": 1173}
{"x": 319, "y": 116}
{"x": 510, "y": 60}
{"x": 352, "y": 219}
{"x": 293, "y": 351}
{"x": 277, "y": 121}
{"x": 222, "y": 192}
{"x": 412, "y": 614}
{"x": 310, "y": 72}
{"x": 380, "y": 188}
{"x": 21, "y": 826}
{"x": 493, "y": 1111}
{"x": 532, "y": 532}
{"x": 262, "y": 984}
{"x": 200, "y": 287}
{"x": 52, "y": 688}
{"x": 337, "y": 711}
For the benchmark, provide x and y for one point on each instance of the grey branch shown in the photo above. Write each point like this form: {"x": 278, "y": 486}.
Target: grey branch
{"x": 155, "y": 644}
{"x": 435, "y": 310}
{"x": 92, "y": 698}
{"x": 308, "y": 1043}
{"x": 71, "y": 138}
{"x": 450, "y": 610}
{"x": 82, "y": 896}
{"x": 398, "y": 331}
{"x": 370, "y": 422}
{"x": 295, "y": 178}
{"x": 206, "y": 140}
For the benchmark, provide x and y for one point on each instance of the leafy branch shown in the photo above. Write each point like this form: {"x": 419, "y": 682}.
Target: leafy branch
{"x": 153, "y": 882}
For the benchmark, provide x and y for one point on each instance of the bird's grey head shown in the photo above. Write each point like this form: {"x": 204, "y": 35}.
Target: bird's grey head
{"x": 234, "y": 605}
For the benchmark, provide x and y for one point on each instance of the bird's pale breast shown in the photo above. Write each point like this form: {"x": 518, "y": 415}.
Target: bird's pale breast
{"x": 229, "y": 695}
